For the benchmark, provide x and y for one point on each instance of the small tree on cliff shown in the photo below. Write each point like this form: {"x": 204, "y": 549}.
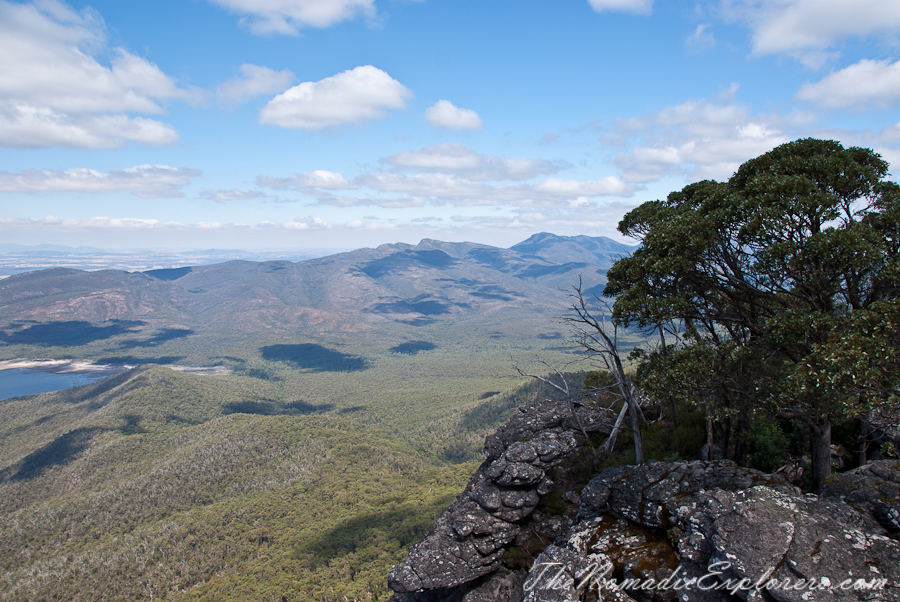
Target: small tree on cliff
{"x": 791, "y": 267}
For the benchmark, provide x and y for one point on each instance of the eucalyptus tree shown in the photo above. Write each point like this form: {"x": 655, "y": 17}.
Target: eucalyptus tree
{"x": 785, "y": 278}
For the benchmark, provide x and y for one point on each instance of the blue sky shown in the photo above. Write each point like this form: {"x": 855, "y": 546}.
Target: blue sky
{"x": 267, "y": 124}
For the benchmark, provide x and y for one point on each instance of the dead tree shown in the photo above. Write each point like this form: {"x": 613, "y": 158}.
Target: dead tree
{"x": 563, "y": 387}
{"x": 592, "y": 333}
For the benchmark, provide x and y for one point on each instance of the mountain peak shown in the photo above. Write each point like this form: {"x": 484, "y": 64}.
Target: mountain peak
{"x": 599, "y": 250}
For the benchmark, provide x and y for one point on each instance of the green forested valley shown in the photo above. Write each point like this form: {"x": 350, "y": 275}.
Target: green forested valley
{"x": 152, "y": 485}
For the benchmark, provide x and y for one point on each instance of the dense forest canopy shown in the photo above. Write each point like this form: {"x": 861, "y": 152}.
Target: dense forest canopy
{"x": 779, "y": 286}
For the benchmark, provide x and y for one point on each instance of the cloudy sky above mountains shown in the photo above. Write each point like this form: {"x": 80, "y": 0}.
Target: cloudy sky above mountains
{"x": 346, "y": 123}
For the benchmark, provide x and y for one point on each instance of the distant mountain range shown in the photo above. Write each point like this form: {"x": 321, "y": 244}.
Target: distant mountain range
{"x": 598, "y": 250}
{"x": 399, "y": 284}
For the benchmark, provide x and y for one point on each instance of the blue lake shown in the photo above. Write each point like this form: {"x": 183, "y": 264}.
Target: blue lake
{"x": 23, "y": 381}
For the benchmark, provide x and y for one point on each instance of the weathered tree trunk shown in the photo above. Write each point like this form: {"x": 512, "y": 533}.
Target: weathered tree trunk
{"x": 863, "y": 446}
{"x": 636, "y": 427}
{"x": 610, "y": 443}
{"x": 709, "y": 435}
{"x": 820, "y": 442}
{"x": 726, "y": 440}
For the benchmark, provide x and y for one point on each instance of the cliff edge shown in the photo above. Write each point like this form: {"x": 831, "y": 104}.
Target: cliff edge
{"x": 527, "y": 528}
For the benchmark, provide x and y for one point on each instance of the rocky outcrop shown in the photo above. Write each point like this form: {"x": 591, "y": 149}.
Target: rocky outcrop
{"x": 470, "y": 538}
{"x": 525, "y": 529}
{"x": 765, "y": 541}
{"x": 873, "y": 489}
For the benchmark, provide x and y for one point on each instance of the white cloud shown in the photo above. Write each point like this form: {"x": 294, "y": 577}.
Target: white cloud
{"x": 419, "y": 189}
{"x": 231, "y": 195}
{"x": 644, "y": 7}
{"x": 29, "y": 126}
{"x": 806, "y": 29}
{"x": 254, "y": 81}
{"x": 462, "y": 159}
{"x": 145, "y": 181}
{"x": 440, "y": 185}
{"x": 700, "y": 139}
{"x": 400, "y": 202}
{"x": 865, "y": 84}
{"x": 599, "y": 219}
{"x": 306, "y": 223}
{"x": 578, "y": 188}
{"x": 451, "y": 174}
{"x": 444, "y": 115}
{"x": 348, "y": 97}
{"x": 53, "y": 92}
{"x": 288, "y": 16}
{"x": 438, "y": 157}
{"x": 326, "y": 180}
{"x": 370, "y": 225}
{"x": 701, "y": 38}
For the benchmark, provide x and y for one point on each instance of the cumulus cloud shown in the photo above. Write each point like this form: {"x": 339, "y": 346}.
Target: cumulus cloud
{"x": 419, "y": 189}
{"x": 644, "y": 7}
{"x": 440, "y": 185}
{"x": 579, "y": 188}
{"x": 231, "y": 195}
{"x": 806, "y": 29}
{"x": 289, "y": 16}
{"x": 462, "y": 159}
{"x": 437, "y": 156}
{"x": 326, "y": 180}
{"x": 307, "y": 223}
{"x": 28, "y": 126}
{"x": 400, "y": 202}
{"x": 863, "y": 85}
{"x": 145, "y": 181}
{"x": 444, "y": 115}
{"x": 352, "y": 96}
{"x": 451, "y": 174}
{"x": 53, "y": 92}
{"x": 699, "y": 139}
{"x": 599, "y": 218}
{"x": 254, "y": 81}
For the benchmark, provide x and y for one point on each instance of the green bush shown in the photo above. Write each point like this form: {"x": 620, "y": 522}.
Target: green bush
{"x": 769, "y": 445}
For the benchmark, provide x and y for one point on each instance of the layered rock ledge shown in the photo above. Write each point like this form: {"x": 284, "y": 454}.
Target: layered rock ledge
{"x": 524, "y": 529}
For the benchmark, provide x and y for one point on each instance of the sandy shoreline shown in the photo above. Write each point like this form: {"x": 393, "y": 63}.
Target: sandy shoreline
{"x": 86, "y": 367}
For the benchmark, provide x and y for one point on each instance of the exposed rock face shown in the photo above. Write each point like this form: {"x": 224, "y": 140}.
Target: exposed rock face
{"x": 701, "y": 531}
{"x": 470, "y": 538}
{"x": 873, "y": 489}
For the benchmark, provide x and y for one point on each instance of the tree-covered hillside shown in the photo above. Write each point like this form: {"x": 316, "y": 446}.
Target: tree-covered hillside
{"x": 163, "y": 485}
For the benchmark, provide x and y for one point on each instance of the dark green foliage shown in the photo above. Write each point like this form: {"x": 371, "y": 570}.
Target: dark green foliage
{"x": 58, "y": 452}
{"x": 554, "y": 503}
{"x": 598, "y": 380}
{"x": 515, "y": 558}
{"x": 268, "y": 408}
{"x": 784, "y": 283}
{"x": 664, "y": 441}
{"x": 768, "y": 445}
